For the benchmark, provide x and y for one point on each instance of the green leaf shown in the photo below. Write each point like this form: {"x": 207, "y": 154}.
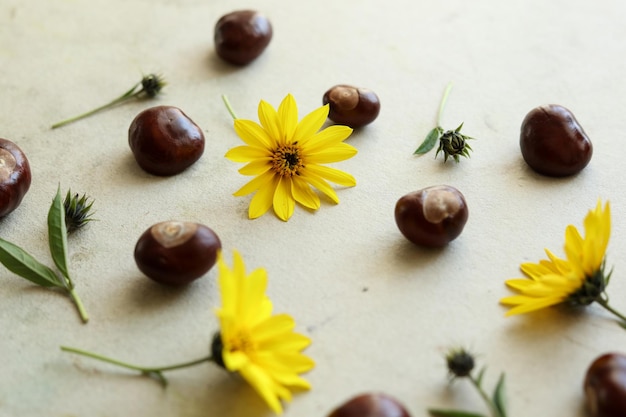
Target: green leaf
{"x": 452, "y": 413}
{"x": 479, "y": 379}
{"x": 429, "y": 142}
{"x": 18, "y": 261}
{"x": 499, "y": 399}
{"x": 57, "y": 234}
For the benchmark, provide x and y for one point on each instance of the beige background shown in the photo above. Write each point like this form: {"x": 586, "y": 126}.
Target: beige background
{"x": 381, "y": 312}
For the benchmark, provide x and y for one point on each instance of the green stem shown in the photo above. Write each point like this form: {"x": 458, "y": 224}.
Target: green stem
{"x": 229, "y": 107}
{"x": 444, "y": 99}
{"x": 156, "y": 371}
{"x": 605, "y": 303}
{"x": 485, "y": 397}
{"x": 79, "y": 304}
{"x": 124, "y": 97}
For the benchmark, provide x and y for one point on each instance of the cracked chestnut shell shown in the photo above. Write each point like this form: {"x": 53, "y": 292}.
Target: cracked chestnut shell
{"x": 553, "y": 143}
{"x": 371, "y": 405}
{"x": 176, "y": 253}
{"x": 165, "y": 141}
{"x": 605, "y": 386}
{"x": 351, "y": 106}
{"x": 15, "y": 176}
{"x": 433, "y": 216}
{"x": 241, "y": 36}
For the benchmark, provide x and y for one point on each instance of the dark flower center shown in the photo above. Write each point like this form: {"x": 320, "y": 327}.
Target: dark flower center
{"x": 287, "y": 160}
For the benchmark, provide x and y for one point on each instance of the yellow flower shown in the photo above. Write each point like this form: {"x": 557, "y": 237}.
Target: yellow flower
{"x": 284, "y": 156}
{"x": 579, "y": 279}
{"x": 262, "y": 347}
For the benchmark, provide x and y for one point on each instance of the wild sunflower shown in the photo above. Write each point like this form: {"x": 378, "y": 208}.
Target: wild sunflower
{"x": 286, "y": 156}
{"x": 580, "y": 279}
{"x": 262, "y": 347}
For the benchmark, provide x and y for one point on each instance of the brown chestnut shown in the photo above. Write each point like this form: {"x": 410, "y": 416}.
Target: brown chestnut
{"x": 553, "y": 143}
{"x": 176, "y": 253}
{"x": 433, "y": 216}
{"x": 15, "y": 176}
{"x": 164, "y": 140}
{"x": 371, "y": 405}
{"x": 605, "y": 386}
{"x": 351, "y": 106}
{"x": 241, "y": 36}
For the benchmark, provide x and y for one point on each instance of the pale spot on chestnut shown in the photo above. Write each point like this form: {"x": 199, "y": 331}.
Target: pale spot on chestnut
{"x": 441, "y": 203}
{"x": 7, "y": 164}
{"x": 170, "y": 234}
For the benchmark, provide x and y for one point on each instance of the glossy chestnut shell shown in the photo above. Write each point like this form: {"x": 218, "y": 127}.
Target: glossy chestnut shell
{"x": 433, "y": 216}
{"x": 351, "y": 106}
{"x": 176, "y": 253}
{"x": 241, "y": 36}
{"x": 165, "y": 141}
{"x": 553, "y": 143}
{"x": 371, "y": 405}
{"x": 605, "y": 386}
{"x": 15, "y": 176}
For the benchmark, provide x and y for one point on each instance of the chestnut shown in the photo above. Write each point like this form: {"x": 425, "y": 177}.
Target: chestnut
{"x": 351, "y": 106}
{"x": 241, "y": 36}
{"x": 371, "y": 405}
{"x": 165, "y": 141}
{"x": 15, "y": 176}
{"x": 176, "y": 253}
{"x": 553, "y": 143}
{"x": 433, "y": 216}
{"x": 605, "y": 386}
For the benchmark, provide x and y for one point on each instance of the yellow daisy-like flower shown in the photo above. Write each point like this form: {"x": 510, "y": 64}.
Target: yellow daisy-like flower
{"x": 579, "y": 279}
{"x": 261, "y": 347}
{"x": 285, "y": 157}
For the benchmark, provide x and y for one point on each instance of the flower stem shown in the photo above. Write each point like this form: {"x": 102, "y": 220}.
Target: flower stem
{"x": 79, "y": 304}
{"x": 485, "y": 397}
{"x": 605, "y": 303}
{"x": 130, "y": 94}
{"x": 444, "y": 99}
{"x": 151, "y": 371}
{"x": 229, "y": 107}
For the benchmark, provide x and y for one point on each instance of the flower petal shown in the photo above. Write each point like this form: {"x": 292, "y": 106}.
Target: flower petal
{"x": 321, "y": 185}
{"x": 288, "y": 115}
{"x": 283, "y": 200}
{"x": 332, "y": 135}
{"x": 246, "y": 153}
{"x": 310, "y": 125}
{"x": 333, "y": 175}
{"x": 256, "y": 167}
{"x": 252, "y": 133}
{"x": 303, "y": 194}
{"x": 336, "y": 153}
{"x": 270, "y": 122}
{"x": 263, "y": 199}
{"x": 255, "y": 184}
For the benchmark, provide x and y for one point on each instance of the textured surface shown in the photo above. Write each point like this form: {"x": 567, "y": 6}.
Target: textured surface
{"x": 380, "y": 311}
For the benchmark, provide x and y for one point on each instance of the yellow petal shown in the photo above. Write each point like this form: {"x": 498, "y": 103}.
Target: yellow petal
{"x": 288, "y": 115}
{"x": 333, "y": 175}
{"x": 321, "y": 185}
{"x": 330, "y": 136}
{"x": 338, "y": 152}
{"x": 310, "y": 125}
{"x": 270, "y": 122}
{"x": 303, "y": 194}
{"x": 252, "y": 133}
{"x": 263, "y": 199}
{"x": 527, "y": 305}
{"x": 262, "y": 181}
{"x": 246, "y": 154}
{"x": 265, "y": 387}
{"x": 283, "y": 200}
{"x": 256, "y": 167}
